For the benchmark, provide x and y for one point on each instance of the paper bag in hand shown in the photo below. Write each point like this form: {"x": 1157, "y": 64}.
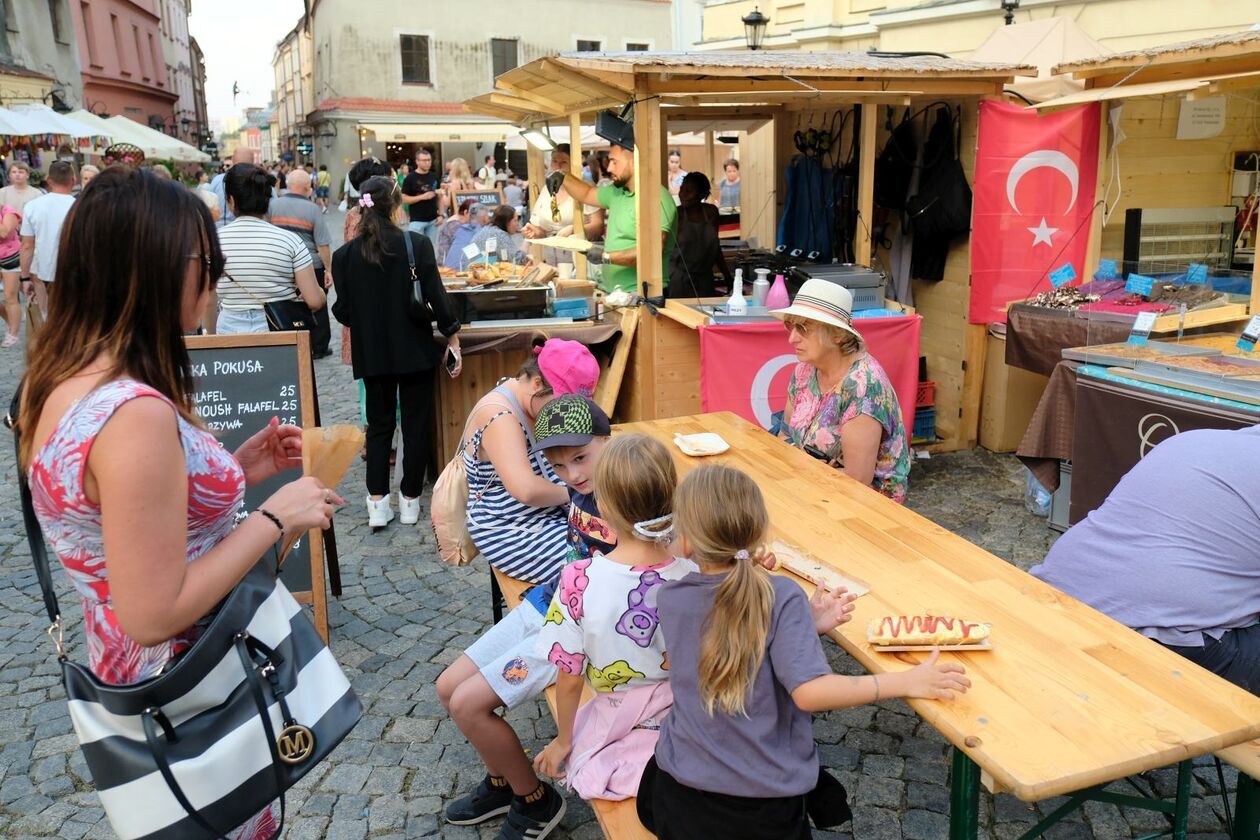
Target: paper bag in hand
{"x": 327, "y": 453}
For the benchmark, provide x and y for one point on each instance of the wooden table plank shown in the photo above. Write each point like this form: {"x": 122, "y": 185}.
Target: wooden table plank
{"x": 1068, "y": 698}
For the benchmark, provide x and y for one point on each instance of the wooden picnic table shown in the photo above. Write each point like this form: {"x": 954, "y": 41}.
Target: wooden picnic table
{"x": 1067, "y": 700}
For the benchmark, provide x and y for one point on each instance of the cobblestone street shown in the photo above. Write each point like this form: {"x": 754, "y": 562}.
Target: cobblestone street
{"x": 403, "y": 616}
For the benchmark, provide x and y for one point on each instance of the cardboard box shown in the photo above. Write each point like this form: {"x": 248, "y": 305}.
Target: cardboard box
{"x": 1008, "y": 400}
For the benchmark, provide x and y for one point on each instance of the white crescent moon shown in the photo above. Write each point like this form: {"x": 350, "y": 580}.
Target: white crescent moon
{"x": 1036, "y": 160}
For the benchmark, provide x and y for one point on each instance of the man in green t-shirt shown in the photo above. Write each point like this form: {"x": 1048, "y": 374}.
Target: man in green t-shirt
{"x": 618, "y": 255}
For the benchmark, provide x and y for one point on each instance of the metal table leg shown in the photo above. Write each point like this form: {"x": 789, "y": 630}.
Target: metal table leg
{"x": 964, "y": 798}
{"x": 1247, "y": 809}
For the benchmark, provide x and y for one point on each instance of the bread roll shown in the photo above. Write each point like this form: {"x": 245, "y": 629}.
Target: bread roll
{"x": 925, "y": 630}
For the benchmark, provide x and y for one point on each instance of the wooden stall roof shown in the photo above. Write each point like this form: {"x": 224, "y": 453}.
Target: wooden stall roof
{"x": 1232, "y": 53}
{"x": 726, "y": 81}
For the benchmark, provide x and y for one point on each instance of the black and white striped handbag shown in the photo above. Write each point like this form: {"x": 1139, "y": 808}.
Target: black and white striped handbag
{"x": 225, "y": 730}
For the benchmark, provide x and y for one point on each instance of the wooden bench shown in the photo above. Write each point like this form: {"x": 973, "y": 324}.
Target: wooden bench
{"x": 618, "y": 820}
{"x": 1246, "y": 757}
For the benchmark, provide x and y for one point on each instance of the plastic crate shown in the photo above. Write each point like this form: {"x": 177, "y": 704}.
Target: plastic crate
{"x": 925, "y": 397}
{"x": 924, "y": 424}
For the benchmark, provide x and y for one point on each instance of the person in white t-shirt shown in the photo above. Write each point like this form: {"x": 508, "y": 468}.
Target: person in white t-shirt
{"x": 486, "y": 174}
{"x": 264, "y": 264}
{"x": 41, "y": 232}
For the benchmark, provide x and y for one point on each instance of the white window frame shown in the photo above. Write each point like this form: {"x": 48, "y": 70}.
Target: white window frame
{"x": 433, "y": 76}
{"x": 626, "y": 42}
{"x": 603, "y": 41}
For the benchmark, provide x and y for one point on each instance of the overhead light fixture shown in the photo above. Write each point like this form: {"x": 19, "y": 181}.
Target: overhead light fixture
{"x": 615, "y": 129}
{"x": 1009, "y": 6}
{"x": 729, "y": 139}
{"x": 754, "y": 28}
{"x": 539, "y": 139}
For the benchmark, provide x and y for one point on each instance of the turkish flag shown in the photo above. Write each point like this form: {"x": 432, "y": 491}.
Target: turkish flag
{"x": 1033, "y": 201}
{"x": 745, "y": 368}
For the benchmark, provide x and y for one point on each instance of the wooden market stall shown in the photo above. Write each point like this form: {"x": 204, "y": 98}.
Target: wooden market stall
{"x": 1187, "y": 114}
{"x": 769, "y": 96}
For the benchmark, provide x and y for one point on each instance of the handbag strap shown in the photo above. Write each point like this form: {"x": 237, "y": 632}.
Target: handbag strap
{"x": 257, "y": 299}
{"x": 34, "y": 533}
{"x": 529, "y": 431}
{"x": 411, "y": 254}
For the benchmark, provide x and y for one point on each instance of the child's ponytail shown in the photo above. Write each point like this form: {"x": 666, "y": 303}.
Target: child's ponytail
{"x": 721, "y": 513}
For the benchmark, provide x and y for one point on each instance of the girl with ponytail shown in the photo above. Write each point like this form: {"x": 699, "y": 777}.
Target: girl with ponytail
{"x": 736, "y": 755}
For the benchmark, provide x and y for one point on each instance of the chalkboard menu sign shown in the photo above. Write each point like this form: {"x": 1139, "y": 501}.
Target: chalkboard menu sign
{"x": 240, "y": 383}
{"x": 486, "y": 197}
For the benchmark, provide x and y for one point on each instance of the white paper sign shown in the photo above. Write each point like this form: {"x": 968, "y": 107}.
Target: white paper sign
{"x": 492, "y": 244}
{"x": 1200, "y": 119}
{"x": 471, "y": 252}
{"x": 1142, "y": 327}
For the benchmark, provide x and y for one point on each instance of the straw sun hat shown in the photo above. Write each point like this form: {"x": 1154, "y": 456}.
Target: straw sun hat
{"x": 824, "y": 302}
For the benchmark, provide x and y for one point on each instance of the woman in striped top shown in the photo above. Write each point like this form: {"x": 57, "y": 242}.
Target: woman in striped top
{"x": 264, "y": 263}
{"x": 516, "y": 503}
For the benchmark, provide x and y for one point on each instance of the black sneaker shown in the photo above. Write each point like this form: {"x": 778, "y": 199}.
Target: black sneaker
{"x": 484, "y": 803}
{"x": 538, "y": 822}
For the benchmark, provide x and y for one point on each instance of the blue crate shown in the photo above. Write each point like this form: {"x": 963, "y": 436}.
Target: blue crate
{"x": 924, "y": 424}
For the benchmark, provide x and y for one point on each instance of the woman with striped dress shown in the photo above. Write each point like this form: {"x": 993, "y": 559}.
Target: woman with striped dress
{"x": 516, "y": 503}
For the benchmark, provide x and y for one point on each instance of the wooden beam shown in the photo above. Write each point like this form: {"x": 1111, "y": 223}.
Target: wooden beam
{"x": 829, "y": 102}
{"x": 786, "y": 95}
{"x": 718, "y": 113}
{"x": 1182, "y": 58}
{"x": 481, "y": 105}
{"x": 710, "y": 157}
{"x": 1242, "y": 81}
{"x": 507, "y": 100}
{"x": 557, "y": 72}
{"x": 703, "y": 87}
{"x": 1097, "y": 77}
{"x": 579, "y": 216}
{"x": 647, "y": 193}
{"x": 517, "y": 90}
{"x": 866, "y": 186}
{"x": 743, "y": 71}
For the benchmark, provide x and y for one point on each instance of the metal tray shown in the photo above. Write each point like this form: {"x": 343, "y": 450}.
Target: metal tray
{"x": 1099, "y": 355}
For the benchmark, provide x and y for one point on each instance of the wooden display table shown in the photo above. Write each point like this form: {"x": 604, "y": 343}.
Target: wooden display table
{"x": 1068, "y": 698}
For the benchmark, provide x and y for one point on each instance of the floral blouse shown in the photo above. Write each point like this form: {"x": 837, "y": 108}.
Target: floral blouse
{"x": 816, "y": 419}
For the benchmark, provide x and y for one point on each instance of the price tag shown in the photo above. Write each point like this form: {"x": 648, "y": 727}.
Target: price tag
{"x": 1142, "y": 328}
{"x": 1250, "y": 335}
{"x": 492, "y": 244}
{"x": 1107, "y": 269}
{"x": 471, "y": 252}
{"x": 1063, "y": 274}
{"x": 1140, "y": 284}
{"x": 1197, "y": 274}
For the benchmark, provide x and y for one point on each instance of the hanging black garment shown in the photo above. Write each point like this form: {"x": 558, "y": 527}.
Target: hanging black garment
{"x": 941, "y": 209}
{"x": 894, "y": 167}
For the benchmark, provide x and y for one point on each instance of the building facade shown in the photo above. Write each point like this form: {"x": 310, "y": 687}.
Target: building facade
{"x": 957, "y": 27}
{"x": 123, "y": 65}
{"x": 293, "y": 65}
{"x": 177, "y": 50}
{"x": 39, "y": 58}
{"x": 201, "y": 117}
{"x": 408, "y": 75}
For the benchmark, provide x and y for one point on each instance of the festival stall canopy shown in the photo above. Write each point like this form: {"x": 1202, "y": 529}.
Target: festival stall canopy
{"x": 154, "y": 143}
{"x": 83, "y": 135}
{"x": 1043, "y": 44}
{"x": 22, "y": 127}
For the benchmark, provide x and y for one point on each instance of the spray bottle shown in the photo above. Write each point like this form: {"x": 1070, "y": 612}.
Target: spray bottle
{"x": 761, "y": 287}
{"x": 736, "y": 305}
{"x": 777, "y": 297}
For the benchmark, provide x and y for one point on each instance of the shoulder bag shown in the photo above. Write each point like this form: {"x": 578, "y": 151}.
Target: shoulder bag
{"x": 417, "y": 308}
{"x": 282, "y": 315}
{"x": 224, "y": 729}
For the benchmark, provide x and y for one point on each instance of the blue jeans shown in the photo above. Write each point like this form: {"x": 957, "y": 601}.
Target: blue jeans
{"x": 423, "y": 228}
{"x": 1234, "y": 656}
{"x": 233, "y": 321}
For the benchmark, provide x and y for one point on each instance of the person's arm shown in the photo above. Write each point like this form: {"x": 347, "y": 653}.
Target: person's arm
{"x": 325, "y": 259}
{"x": 308, "y": 287}
{"x": 926, "y": 681}
{"x": 630, "y": 256}
{"x": 154, "y": 591}
{"x": 711, "y": 213}
{"x": 594, "y": 225}
{"x": 341, "y": 308}
{"x": 323, "y": 242}
{"x": 504, "y": 445}
{"x": 210, "y": 320}
{"x": 444, "y": 315}
{"x": 859, "y": 441}
{"x": 27, "y": 254}
{"x": 12, "y": 220}
{"x": 581, "y": 191}
{"x": 568, "y": 697}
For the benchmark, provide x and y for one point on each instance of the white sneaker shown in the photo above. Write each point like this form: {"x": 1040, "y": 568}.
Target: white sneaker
{"x": 380, "y": 513}
{"x": 408, "y": 510}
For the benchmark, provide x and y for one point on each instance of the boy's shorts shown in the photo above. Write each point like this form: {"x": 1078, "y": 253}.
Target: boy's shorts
{"x": 507, "y": 657}
{"x": 321, "y": 192}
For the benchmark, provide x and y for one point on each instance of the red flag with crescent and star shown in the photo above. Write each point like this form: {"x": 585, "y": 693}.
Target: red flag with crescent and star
{"x": 1034, "y": 196}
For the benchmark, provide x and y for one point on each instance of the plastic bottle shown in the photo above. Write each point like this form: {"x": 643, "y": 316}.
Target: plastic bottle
{"x": 761, "y": 287}
{"x": 777, "y": 298}
{"x": 736, "y": 305}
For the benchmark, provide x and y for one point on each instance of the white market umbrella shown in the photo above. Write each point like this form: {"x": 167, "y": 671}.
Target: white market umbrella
{"x": 164, "y": 145}
{"x": 18, "y": 127}
{"x": 82, "y": 135}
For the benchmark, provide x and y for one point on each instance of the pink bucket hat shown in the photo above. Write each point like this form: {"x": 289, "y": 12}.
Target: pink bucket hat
{"x": 568, "y": 367}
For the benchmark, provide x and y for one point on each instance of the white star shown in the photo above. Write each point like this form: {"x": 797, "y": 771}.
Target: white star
{"x": 1043, "y": 233}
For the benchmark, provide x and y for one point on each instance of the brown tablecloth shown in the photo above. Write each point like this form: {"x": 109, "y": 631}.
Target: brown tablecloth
{"x": 1050, "y": 433}
{"x": 1036, "y": 336}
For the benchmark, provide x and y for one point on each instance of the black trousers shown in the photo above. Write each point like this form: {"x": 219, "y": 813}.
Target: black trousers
{"x": 321, "y": 327}
{"x": 413, "y": 392}
{"x": 1234, "y": 656}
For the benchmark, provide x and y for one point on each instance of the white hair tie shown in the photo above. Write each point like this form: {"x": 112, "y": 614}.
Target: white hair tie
{"x": 659, "y": 530}
{"x": 743, "y": 554}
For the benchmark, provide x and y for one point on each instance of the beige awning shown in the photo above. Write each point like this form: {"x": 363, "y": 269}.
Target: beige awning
{"x": 467, "y": 132}
{"x": 1210, "y": 85}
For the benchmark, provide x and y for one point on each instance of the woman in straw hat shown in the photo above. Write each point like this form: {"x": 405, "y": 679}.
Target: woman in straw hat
{"x": 840, "y": 402}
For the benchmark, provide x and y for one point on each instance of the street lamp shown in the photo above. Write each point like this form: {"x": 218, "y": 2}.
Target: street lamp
{"x": 754, "y": 28}
{"x": 1009, "y": 6}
